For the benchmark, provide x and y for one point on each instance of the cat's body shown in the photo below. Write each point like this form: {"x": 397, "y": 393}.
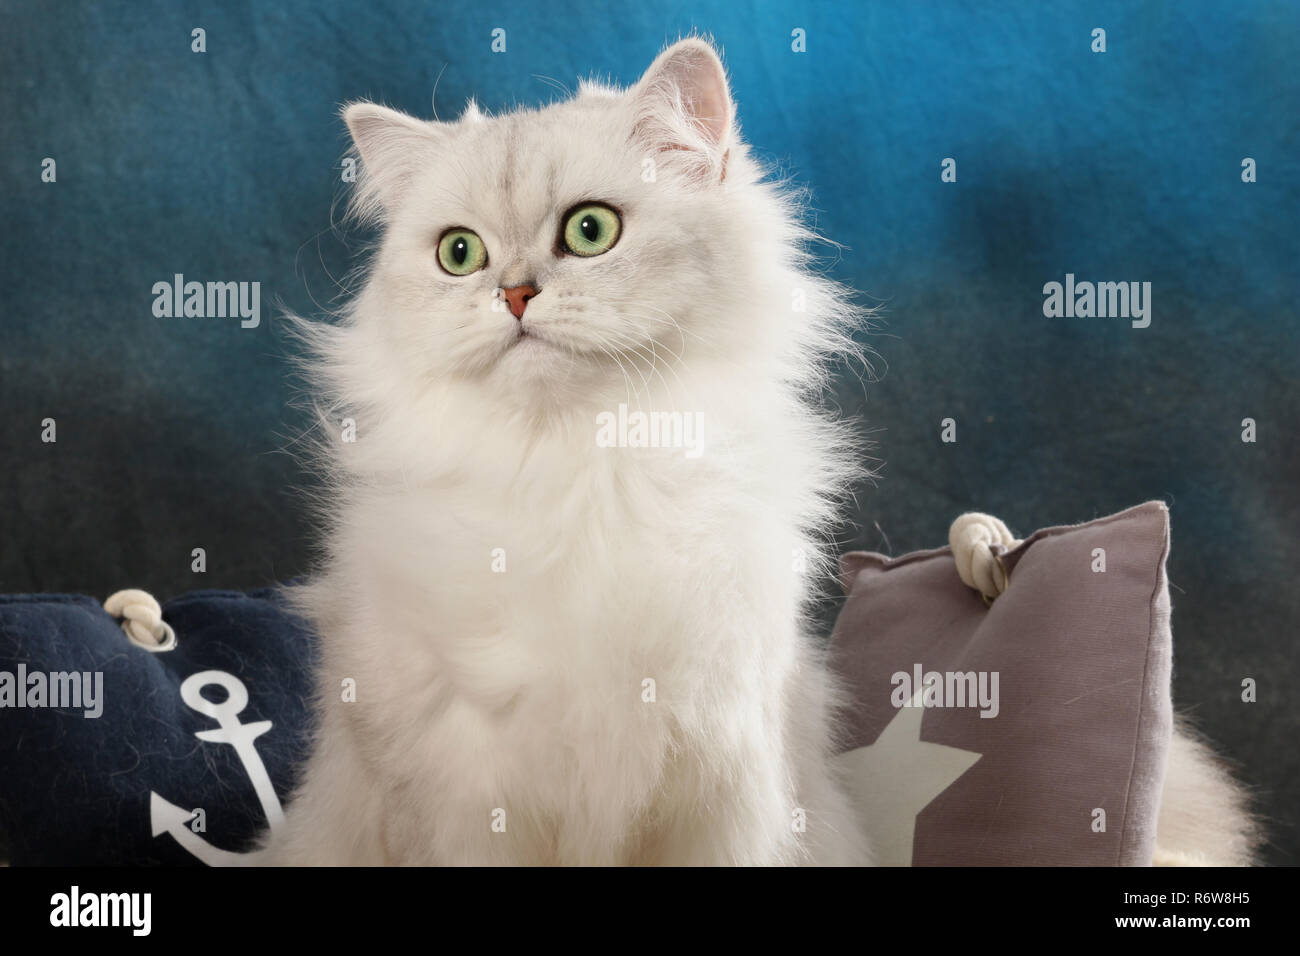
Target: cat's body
{"x": 562, "y": 652}
{"x": 523, "y": 689}
{"x": 565, "y": 652}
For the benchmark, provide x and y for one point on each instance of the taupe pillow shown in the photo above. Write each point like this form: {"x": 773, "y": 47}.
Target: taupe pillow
{"x": 1073, "y": 662}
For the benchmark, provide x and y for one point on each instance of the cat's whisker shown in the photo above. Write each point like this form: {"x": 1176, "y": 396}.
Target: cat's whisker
{"x": 656, "y": 368}
{"x": 681, "y": 331}
{"x": 642, "y": 396}
{"x": 554, "y": 84}
{"x": 636, "y": 353}
{"x": 655, "y": 342}
{"x": 644, "y": 380}
{"x": 626, "y": 379}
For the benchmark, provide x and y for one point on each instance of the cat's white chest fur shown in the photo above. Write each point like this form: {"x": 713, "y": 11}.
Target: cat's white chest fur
{"x": 557, "y": 666}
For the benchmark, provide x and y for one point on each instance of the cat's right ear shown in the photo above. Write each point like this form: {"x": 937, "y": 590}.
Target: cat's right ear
{"x": 392, "y": 146}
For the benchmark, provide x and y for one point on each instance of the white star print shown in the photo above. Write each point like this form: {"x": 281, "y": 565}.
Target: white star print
{"x": 897, "y": 777}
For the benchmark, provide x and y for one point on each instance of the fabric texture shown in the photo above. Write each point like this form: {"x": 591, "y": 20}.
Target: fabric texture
{"x": 1070, "y": 668}
{"x": 172, "y": 737}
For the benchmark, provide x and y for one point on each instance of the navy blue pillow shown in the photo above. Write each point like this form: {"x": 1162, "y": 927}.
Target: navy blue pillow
{"x": 171, "y": 737}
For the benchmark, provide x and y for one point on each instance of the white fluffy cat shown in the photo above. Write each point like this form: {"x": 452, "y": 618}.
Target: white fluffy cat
{"x": 566, "y": 653}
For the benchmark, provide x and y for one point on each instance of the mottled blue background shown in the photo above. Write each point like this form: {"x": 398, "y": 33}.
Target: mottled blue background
{"x": 1117, "y": 166}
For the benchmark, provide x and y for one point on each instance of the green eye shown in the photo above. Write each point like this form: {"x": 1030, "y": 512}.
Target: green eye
{"x": 461, "y": 251}
{"x": 591, "y": 229}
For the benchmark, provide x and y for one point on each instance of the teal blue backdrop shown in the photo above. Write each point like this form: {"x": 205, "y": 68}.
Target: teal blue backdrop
{"x": 1123, "y": 165}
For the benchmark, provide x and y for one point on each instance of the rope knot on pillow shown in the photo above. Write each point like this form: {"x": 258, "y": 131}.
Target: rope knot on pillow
{"x": 141, "y": 618}
{"x": 977, "y": 542}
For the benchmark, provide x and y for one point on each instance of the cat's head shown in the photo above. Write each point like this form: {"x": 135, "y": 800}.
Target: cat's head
{"x": 590, "y": 244}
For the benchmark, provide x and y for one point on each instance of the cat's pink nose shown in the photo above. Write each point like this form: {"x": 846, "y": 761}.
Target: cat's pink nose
{"x": 518, "y": 298}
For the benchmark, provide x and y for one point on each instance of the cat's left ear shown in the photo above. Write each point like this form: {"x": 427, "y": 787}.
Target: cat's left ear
{"x": 683, "y": 103}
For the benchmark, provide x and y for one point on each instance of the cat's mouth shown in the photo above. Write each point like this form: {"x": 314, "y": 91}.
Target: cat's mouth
{"x": 529, "y": 337}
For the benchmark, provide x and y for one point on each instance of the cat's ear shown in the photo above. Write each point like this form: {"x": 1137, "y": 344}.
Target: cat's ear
{"x": 683, "y": 103}
{"x": 392, "y": 146}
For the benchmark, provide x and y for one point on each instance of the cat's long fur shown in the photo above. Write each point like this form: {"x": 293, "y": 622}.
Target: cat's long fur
{"x": 567, "y": 653}
{"x": 523, "y": 697}
{"x": 1205, "y": 815}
